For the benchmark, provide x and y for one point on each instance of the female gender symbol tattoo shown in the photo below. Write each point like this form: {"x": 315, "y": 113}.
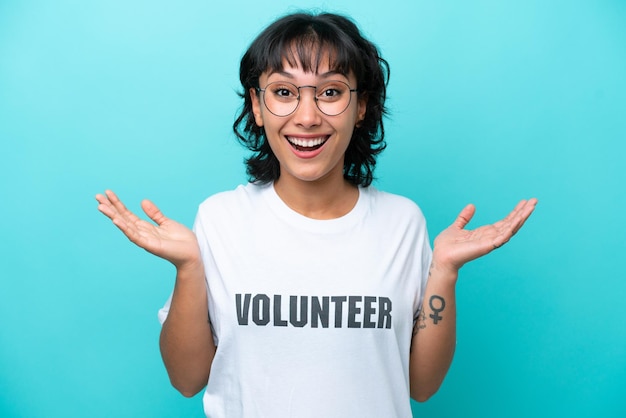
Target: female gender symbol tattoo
{"x": 442, "y": 305}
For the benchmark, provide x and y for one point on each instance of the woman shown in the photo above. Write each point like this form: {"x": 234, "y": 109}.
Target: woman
{"x": 322, "y": 294}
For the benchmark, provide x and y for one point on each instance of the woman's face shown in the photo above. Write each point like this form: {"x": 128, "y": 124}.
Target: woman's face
{"x": 309, "y": 145}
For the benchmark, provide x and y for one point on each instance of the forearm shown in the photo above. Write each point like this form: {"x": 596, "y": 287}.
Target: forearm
{"x": 186, "y": 339}
{"x": 434, "y": 335}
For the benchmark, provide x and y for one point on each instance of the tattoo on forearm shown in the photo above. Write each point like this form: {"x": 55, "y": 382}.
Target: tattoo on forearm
{"x": 437, "y": 304}
{"x": 420, "y": 321}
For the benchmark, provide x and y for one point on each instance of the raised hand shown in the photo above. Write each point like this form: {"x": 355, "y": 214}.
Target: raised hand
{"x": 167, "y": 239}
{"x": 456, "y": 245}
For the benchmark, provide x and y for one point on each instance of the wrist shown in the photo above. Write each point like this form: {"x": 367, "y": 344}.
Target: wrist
{"x": 191, "y": 267}
{"x": 443, "y": 272}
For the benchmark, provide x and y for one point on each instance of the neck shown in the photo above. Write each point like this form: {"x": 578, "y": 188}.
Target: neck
{"x": 317, "y": 199}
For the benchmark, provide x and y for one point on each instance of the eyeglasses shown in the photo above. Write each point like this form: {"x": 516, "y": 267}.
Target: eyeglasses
{"x": 282, "y": 98}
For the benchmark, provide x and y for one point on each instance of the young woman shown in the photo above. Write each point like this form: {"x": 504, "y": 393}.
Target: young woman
{"x": 307, "y": 292}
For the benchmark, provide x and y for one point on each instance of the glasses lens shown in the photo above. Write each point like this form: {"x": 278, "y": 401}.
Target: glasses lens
{"x": 333, "y": 97}
{"x": 282, "y": 98}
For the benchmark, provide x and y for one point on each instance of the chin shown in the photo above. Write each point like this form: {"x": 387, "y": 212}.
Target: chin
{"x": 310, "y": 176}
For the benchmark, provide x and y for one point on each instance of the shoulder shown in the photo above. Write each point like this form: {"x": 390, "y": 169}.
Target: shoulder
{"x": 396, "y": 215}
{"x": 396, "y": 219}
{"x": 393, "y": 205}
{"x": 231, "y": 199}
{"x": 232, "y": 203}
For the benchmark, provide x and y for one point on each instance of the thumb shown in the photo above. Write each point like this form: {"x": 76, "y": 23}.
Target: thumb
{"x": 465, "y": 216}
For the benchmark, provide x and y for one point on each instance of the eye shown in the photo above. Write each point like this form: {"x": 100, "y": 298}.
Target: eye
{"x": 283, "y": 91}
{"x": 331, "y": 92}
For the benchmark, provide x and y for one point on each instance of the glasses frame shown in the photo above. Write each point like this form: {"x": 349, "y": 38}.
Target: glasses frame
{"x": 350, "y": 91}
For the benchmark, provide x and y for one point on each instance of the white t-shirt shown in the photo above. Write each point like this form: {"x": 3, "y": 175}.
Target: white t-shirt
{"x": 311, "y": 318}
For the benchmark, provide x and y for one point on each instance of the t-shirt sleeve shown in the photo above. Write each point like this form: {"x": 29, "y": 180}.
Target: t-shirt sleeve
{"x": 424, "y": 255}
{"x": 162, "y": 314}
{"x": 427, "y": 256}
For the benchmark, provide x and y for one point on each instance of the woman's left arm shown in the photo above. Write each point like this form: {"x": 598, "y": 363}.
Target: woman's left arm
{"x": 434, "y": 333}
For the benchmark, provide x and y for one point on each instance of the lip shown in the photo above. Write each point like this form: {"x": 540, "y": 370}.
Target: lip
{"x": 300, "y": 143}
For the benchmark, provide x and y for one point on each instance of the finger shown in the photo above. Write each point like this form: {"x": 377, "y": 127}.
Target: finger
{"x": 465, "y": 216}
{"x": 511, "y": 220}
{"x": 105, "y": 206}
{"x": 510, "y": 225}
{"x": 524, "y": 214}
{"x": 115, "y": 201}
{"x": 500, "y": 240}
{"x": 117, "y": 204}
{"x": 515, "y": 212}
{"x": 153, "y": 212}
{"x": 106, "y": 210}
{"x": 518, "y": 216}
{"x": 110, "y": 206}
{"x": 101, "y": 198}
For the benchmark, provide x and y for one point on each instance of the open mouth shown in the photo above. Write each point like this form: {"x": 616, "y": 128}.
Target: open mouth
{"x": 307, "y": 144}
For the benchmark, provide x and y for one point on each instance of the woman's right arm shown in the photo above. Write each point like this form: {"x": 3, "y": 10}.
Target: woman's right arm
{"x": 186, "y": 339}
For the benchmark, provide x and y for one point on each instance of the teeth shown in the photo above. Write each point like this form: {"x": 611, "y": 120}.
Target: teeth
{"x": 310, "y": 142}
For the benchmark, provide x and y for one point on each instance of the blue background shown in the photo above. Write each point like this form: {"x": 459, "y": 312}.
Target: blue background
{"x": 492, "y": 101}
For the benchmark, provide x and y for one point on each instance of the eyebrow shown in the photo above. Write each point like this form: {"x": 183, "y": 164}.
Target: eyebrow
{"x": 323, "y": 75}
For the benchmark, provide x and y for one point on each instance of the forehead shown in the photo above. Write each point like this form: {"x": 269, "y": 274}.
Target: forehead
{"x": 315, "y": 61}
{"x": 308, "y": 56}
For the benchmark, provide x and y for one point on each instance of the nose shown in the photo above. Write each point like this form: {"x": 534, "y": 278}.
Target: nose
{"x": 307, "y": 113}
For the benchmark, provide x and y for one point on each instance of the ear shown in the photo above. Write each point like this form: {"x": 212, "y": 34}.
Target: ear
{"x": 256, "y": 107}
{"x": 361, "y": 110}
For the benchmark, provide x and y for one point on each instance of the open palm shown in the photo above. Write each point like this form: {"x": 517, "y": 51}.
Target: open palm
{"x": 456, "y": 245}
{"x": 166, "y": 238}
